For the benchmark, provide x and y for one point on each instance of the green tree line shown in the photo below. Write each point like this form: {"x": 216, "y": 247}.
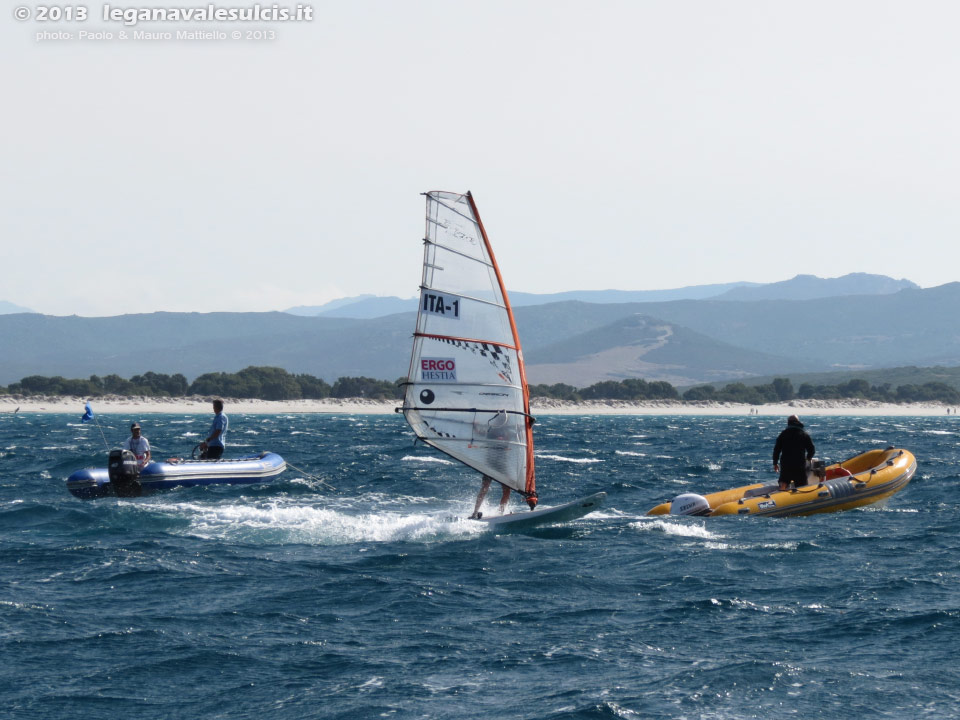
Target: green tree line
{"x": 630, "y": 389}
{"x": 781, "y": 390}
{"x": 273, "y": 383}
{"x": 261, "y": 383}
{"x": 778, "y": 391}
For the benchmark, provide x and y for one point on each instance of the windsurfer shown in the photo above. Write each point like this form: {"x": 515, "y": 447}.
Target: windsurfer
{"x": 498, "y": 429}
{"x": 466, "y": 356}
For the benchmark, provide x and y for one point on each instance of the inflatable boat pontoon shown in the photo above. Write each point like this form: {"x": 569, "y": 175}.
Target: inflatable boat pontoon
{"x": 122, "y": 478}
{"x": 862, "y": 480}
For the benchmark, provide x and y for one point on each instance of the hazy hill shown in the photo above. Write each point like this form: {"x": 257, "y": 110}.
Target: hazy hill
{"x": 692, "y": 292}
{"x": 641, "y": 346}
{"x": 802, "y": 287}
{"x": 359, "y": 307}
{"x": 7, "y": 308}
{"x": 191, "y": 343}
{"x": 372, "y": 306}
{"x": 910, "y": 327}
{"x": 811, "y": 287}
{"x": 685, "y": 341}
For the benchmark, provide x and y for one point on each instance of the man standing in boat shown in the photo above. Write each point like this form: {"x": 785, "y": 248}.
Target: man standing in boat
{"x": 138, "y": 445}
{"x": 212, "y": 447}
{"x": 792, "y": 451}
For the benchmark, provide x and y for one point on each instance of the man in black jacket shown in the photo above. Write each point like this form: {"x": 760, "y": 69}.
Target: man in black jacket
{"x": 791, "y": 453}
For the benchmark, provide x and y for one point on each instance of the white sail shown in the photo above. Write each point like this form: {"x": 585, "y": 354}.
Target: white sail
{"x": 466, "y": 392}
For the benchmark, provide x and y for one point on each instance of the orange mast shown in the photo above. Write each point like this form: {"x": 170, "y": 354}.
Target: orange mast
{"x": 531, "y": 482}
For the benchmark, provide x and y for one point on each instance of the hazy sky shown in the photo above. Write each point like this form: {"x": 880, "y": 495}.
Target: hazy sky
{"x": 630, "y": 145}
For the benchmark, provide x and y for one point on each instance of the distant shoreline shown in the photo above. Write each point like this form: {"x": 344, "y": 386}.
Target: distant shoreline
{"x": 136, "y": 406}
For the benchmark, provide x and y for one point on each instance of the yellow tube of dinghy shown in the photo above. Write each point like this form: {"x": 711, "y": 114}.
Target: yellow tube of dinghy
{"x": 862, "y": 480}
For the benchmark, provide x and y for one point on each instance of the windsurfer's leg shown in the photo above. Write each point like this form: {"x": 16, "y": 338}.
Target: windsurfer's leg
{"x": 484, "y": 486}
{"x": 504, "y": 499}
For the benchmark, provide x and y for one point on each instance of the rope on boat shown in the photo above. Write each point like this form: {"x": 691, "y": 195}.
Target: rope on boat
{"x": 310, "y": 477}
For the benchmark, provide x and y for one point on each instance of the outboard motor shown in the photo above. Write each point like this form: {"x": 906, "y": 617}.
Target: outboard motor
{"x": 124, "y": 473}
{"x": 816, "y": 472}
{"x": 689, "y": 504}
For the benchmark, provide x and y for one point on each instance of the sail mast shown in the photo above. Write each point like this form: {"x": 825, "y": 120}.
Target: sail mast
{"x": 531, "y": 481}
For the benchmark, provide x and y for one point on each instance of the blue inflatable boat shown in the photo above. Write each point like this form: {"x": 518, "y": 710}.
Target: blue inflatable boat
{"x": 123, "y": 479}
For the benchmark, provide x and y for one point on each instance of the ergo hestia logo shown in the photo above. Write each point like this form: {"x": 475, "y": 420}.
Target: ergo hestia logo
{"x": 438, "y": 369}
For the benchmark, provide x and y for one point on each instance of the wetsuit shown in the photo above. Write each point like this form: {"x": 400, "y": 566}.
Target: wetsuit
{"x": 791, "y": 452}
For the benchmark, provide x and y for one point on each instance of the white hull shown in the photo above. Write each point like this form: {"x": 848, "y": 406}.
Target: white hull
{"x": 545, "y": 516}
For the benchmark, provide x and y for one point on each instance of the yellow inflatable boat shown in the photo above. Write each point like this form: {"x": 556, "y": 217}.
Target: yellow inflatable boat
{"x": 862, "y": 480}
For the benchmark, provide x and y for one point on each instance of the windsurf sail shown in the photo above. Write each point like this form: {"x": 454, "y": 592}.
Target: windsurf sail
{"x": 466, "y": 390}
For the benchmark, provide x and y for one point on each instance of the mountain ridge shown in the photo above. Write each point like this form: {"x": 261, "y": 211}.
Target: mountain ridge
{"x": 686, "y": 341}
{"x": 8, "y": 308}
{"x": 800, "y": 287}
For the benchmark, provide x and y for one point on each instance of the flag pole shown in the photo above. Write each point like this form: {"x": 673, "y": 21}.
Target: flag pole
{"x": 90, "y": 415}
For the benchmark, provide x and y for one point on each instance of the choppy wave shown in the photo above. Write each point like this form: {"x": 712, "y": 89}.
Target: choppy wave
{"x": 575, "y": 460}
{"x": 427, "y": 459}
{"x": 676, "y": 527}
{"x": 283, "y": 523}
{"x": 290, "y": 600}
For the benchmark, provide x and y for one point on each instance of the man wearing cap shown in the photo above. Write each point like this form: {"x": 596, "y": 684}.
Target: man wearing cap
{"x": 791, "y": 452}
{"x": 138, "y": 445}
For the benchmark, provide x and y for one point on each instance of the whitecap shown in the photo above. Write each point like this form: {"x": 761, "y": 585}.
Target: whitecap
{"x": 676, "y": 528}
{"x": 278, "y": 523}
{"x": 749, "y": 605}
{"x": 561, "y": 458}
{"x": 374, "y": 682}
{"x": 21, "y": 606}
{"x": 426, "y": 459}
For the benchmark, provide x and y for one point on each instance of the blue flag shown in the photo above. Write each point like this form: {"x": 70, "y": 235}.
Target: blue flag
{"x": 88, "y": 415}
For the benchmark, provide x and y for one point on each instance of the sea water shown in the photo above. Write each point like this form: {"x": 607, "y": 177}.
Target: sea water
{"x": 291, "y": 600}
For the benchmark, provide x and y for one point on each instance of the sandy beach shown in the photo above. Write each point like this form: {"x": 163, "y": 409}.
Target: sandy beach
{"x": 133, "y": 406}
